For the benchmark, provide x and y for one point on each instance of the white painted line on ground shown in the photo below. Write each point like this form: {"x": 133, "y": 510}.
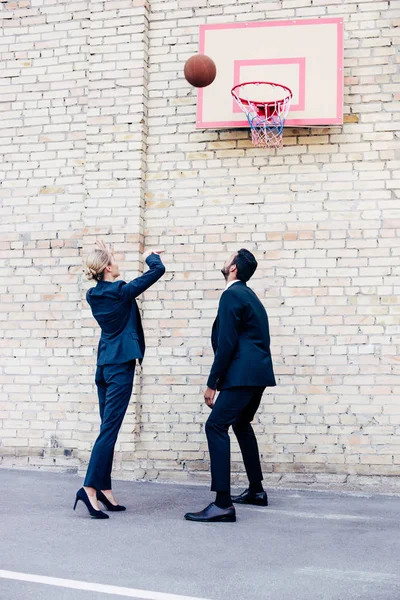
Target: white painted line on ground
{"x": 94, "y": 587}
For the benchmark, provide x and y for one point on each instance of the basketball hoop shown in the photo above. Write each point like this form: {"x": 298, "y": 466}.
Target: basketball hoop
{"x": 266, "y": 106}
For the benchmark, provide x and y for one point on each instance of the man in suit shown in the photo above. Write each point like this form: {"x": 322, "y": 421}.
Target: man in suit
{"x": 241, "y": 370}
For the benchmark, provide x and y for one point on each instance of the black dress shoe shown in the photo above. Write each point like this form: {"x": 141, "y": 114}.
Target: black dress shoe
{"x": 213, "y": 513}
{"x": 258, "y": 499}
{"x": 111, "y": 507}
{"x": 83, "y": 497}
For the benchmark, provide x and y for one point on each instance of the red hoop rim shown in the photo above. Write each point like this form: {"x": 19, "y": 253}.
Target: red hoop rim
{"x": 247, "y": 102}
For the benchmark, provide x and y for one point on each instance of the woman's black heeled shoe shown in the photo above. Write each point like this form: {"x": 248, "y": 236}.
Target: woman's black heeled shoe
{"x": 95, "y": 514}
{"x": 111, "y": 507}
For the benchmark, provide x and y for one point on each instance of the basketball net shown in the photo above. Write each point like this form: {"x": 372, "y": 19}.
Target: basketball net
{"x": 266, "y": 118}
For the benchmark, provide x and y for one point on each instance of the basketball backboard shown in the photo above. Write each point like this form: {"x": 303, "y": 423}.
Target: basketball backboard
{"x": 305, "y": 55}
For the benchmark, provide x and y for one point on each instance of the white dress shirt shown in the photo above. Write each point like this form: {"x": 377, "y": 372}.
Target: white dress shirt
{"x": 228, "y": 285}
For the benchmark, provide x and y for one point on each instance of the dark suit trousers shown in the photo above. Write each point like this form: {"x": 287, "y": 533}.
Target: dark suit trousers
{"x": 236, "y": 407}
{"x": 114, "y": 388}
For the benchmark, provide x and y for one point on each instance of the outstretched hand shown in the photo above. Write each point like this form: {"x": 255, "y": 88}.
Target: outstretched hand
{"x": 149, "y": 252}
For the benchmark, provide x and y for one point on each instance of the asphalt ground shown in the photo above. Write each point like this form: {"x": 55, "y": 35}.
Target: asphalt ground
{"x": 306, "y": 545}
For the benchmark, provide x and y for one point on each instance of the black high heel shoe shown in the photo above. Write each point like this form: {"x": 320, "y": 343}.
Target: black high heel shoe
{"x": 111, "y": 507}
{"x": 83, "y": 497}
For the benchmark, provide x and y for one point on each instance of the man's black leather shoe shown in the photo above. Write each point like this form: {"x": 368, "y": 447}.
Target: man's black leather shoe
{"x": 258, "y": 499}
{"x": 213, "y": 513}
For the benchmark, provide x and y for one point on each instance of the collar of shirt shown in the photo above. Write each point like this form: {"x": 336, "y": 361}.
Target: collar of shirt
{"x": 228, "y": 285}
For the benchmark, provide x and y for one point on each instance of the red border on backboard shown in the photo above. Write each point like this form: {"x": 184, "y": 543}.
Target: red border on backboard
{"x": 337, "y": 120}
{"x": 301, "y": 62}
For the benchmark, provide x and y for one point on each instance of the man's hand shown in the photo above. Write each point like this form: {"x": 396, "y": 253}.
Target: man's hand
{"x": 209, "y": 396}
{"x": 147, "y": 254}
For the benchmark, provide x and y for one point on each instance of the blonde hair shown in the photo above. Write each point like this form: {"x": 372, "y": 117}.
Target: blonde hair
{"x": 95, "y": 263}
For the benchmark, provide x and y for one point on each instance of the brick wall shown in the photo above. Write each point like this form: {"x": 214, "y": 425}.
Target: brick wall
{"x": 98, "y": 135}
{"x": 43, "y": 95}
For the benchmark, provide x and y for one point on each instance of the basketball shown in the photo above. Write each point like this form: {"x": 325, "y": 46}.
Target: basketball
{"x": 200, "y": 70}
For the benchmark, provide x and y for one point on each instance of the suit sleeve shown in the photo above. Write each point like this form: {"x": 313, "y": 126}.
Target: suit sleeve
{"x": 141, "y": 284}
{"x": 229, "y": 313}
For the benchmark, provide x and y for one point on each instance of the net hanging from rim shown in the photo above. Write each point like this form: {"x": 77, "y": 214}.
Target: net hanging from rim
{"x": 266, "y": 106}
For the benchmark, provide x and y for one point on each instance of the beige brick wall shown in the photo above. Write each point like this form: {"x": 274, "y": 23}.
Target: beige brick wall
{"x": 98, "y": 138}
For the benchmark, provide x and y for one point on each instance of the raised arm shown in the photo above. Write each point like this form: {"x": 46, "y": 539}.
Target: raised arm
{"x": 139, "y": 285}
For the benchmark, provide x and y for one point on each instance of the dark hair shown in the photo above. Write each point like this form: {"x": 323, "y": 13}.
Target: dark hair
{"x": 246, "y": 264}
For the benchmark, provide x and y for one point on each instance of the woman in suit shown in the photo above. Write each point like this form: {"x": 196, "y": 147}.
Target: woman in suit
{"x": 121, "y": 343}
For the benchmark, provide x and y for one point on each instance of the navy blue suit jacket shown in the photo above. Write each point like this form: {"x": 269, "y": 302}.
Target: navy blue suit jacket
{"x": 241, "y": 342}
{"x": 114, "y": 307}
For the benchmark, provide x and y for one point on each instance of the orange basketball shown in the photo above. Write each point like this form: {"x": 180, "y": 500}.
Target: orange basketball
{"x": 200, "y": 70}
